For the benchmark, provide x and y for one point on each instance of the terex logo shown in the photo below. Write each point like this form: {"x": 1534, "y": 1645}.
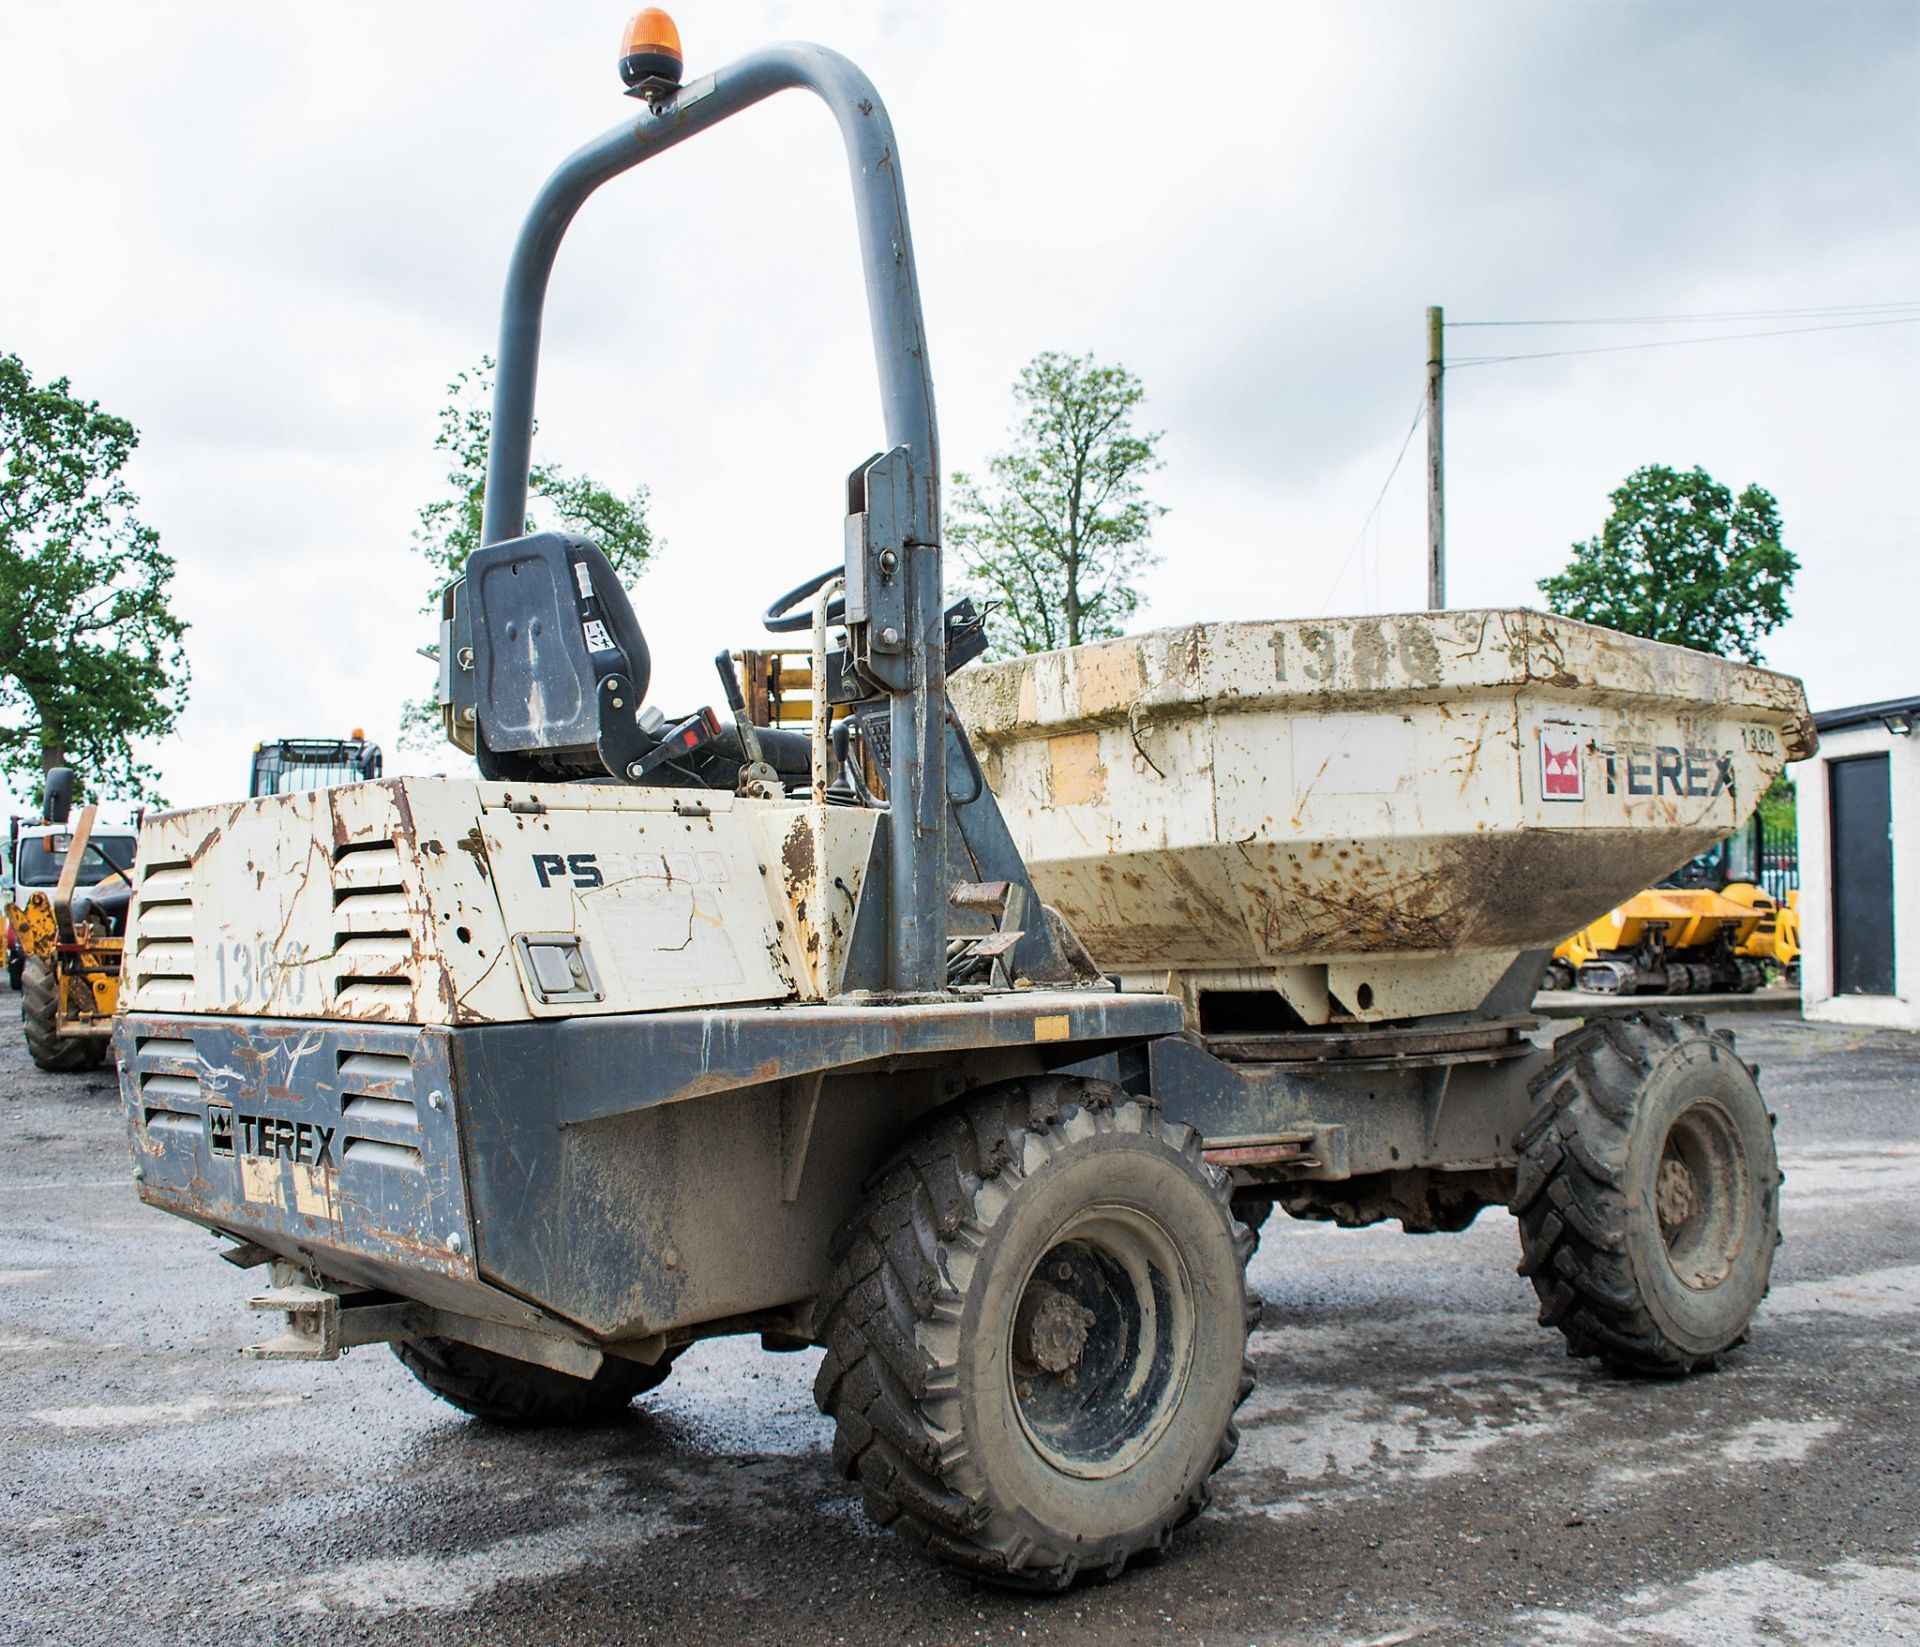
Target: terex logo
{"x": 1560, "y": 775}
{"x": 1666, "y": 770}
{"x": 270, "y": 1136}
{"x": 1658, "y": 769}
{"x": 581, "y": 867}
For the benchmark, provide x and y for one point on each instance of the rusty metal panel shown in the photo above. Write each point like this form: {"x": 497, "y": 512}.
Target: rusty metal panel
{"x": 592, "y": 1068}
{"x": 1458, "y": 1117}
{"x": 400, "y": 902}
{"x": 325, "y": 1138}
{"x": 671, "y": 906}
{"x": 602, "y": 1191}
{"x": 344, "y": 904}
{"x": 560, "y": 1162}
{"x": 818, "y": 858}
{"x": 1405, "y": 803}
{"x": 664, "y": 1217}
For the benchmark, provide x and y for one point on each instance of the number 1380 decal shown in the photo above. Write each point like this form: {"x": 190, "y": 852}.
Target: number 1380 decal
{"x": 246, "y": 973}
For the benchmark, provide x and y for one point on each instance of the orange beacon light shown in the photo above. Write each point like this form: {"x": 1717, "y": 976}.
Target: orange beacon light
{"x": 650, "y": 60}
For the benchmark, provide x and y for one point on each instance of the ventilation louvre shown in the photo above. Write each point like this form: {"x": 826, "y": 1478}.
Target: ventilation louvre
{"x": 162, "y": 963}
{"x": 376, "y": 1090}
{"x": 375, "y": 1152}
{"x": 167, "y": 1090}
{"x": 167, "y": 1074}
{"x": 374, "y": 964}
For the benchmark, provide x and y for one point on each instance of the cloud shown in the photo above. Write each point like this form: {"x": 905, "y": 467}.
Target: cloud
{"x": 270, "y": 236}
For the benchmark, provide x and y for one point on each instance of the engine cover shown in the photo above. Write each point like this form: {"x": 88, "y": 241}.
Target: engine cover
{"x": 442, "y": 901}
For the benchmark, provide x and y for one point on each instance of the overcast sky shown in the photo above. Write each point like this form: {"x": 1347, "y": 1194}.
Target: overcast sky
{"x": 269, "y": 234}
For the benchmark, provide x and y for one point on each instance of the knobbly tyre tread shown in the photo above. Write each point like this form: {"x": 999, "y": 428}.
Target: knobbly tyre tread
{"x": 877, "y": 1379}
{"x": 1252, "y": 1214}
{"x": 501, "y": 1390}
{"x": 40, "y": 1016}
{"x": 1570, "y": 1200}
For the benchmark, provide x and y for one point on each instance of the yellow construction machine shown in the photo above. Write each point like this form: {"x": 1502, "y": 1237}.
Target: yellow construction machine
{"x": 1709, "y": 927}
{"x": 1775, "y": 937}
{"x": 71, "y": 938}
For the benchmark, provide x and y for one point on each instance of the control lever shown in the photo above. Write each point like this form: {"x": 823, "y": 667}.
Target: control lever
{"x": 757, "y": 776}
{"x": 737, "y": 702}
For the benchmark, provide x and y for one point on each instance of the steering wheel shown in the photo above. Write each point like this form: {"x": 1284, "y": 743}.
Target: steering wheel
{"x": 783, "y": 620}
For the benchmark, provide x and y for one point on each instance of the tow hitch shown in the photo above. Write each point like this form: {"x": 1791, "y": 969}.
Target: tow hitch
{"x": 322, "y": 1325}
{"x": 319, "y": 1327}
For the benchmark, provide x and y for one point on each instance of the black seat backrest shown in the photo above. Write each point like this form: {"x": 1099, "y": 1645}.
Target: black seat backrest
{"x": 560, "y": 667}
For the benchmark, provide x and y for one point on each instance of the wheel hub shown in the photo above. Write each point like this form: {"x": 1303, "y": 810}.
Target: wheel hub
{"x": 1699, "y": 1196}
{"x": 1052, "y": 1332}
{"x": 1100, "y": 1342}
{"x": 1673, "y": 1196}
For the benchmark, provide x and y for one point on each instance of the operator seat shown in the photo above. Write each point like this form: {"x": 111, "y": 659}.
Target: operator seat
{"x": 560, "y": 667}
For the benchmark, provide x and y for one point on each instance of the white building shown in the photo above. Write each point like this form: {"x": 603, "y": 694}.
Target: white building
{"x": 1859, "y": 822}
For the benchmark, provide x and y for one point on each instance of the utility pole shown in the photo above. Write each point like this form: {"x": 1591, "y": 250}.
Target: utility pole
{"x": 1436, "y": 467}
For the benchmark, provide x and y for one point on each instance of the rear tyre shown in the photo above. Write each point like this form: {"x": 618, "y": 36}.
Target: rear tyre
{"x": 502, "y": 1390}
{"x": 40, "y": 1013}
{"x": 16, "y": 968}
{"x": 1036, "y": 1340}
{"x": 1648, "y": 1194}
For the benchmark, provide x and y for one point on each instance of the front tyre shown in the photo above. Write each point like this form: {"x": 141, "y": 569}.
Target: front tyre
{"x": 1036, "y": 1340}
{"x": 1648, "y": 1194}
{"x": 40, "y": 1017}
{"x": 501, "y": 1390}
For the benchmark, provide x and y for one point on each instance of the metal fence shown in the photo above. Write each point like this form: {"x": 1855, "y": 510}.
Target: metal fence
{"x": 1779, "y": 861}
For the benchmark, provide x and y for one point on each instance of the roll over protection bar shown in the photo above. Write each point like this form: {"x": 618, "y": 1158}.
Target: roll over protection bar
{"x": 903, "y": 573}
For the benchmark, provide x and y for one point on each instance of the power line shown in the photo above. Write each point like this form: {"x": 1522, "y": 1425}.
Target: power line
{"x": 1419, "y": 412}
{"x": 1823, "y": 311}
{"x": 1679, "y": 342}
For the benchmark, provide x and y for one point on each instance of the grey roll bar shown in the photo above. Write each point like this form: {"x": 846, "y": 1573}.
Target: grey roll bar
{"x": 917, "y": 815}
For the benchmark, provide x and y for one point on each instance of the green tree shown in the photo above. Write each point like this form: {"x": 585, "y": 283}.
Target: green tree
{"x": 1681, "y": 559}
{"x": 90, "y": 650}
{"x": 449, "y": 527}
{"x": 1779, "y": 808}
{"x": 1058, "y": 534}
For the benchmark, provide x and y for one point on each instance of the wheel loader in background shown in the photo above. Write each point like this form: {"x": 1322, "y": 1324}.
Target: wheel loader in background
{"x": 669, "y": 1027}
{"x": 70, "y": 936}
{"x": 37, "y": 852}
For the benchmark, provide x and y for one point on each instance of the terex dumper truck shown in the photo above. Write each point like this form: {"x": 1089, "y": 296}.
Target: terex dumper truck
{"x": 965, "y": 1038}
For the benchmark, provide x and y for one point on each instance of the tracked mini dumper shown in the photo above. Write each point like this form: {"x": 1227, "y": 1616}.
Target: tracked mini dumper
{"x": 667, "y": 1028}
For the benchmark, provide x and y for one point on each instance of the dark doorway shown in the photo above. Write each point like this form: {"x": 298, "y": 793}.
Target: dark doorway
{"x": 1860, "y": 810}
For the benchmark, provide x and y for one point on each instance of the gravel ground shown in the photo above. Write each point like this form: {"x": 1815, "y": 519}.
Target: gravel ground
{"x": 1421, "y": 1463}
